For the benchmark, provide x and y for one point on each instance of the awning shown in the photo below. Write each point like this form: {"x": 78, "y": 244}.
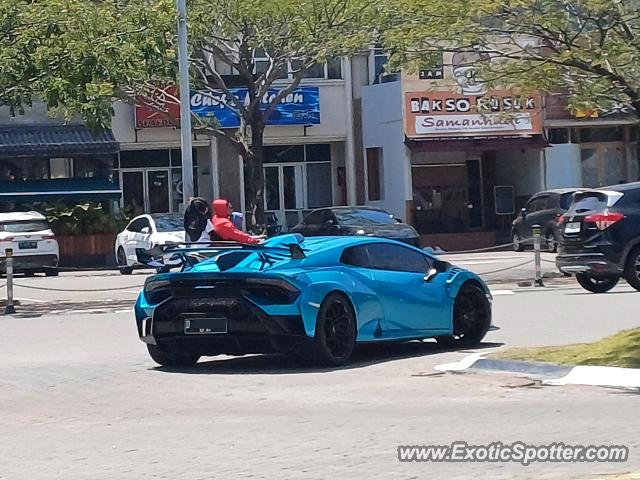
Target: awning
{"x": 55, "y": 140}
{"x": 75, "y": 189}
{"x": 476, "y": 143}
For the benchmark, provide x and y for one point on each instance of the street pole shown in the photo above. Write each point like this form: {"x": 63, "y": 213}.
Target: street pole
{"x": 9, "y": 309}
{"x": 536, "y": 247}
{"x": 185, "y": 105}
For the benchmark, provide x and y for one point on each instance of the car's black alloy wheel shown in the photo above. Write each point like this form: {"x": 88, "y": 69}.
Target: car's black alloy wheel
{"x": 552, "y": 243}
{"x": 335, "y": 331}
{"x": 632, "y": 269}
{"x": 172, "y": 356}
{"x": 471, "y": 318}
{"x": 122, "y": 262}
{"x": 596, "y": 284}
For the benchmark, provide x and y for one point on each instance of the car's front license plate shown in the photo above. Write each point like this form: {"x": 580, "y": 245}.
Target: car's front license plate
{"x": 27, "y": 245}
{"x": 205, "y": 325}
{"x": 572, "y": 227}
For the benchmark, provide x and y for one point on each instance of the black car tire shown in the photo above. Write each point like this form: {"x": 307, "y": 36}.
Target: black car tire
{"x": 596, "y": 284}
{"x": 471, "y": 318}
{"x": 517, "y": 244}
{"x": 632, "y": 269}
{"x": 52, "y": 273}
{"x": 335, "y": 335}
{"x": 164, "y": 269}
{"x": 166, "y": 356}
{"x": 122, "y": 262}
{"x": 29, "y": 273}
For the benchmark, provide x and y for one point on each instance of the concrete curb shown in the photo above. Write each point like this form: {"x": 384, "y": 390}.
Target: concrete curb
{"x": 550, "y": 374}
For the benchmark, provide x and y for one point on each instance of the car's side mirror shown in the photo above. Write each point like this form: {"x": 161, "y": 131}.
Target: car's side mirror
{"x": 145, "y": 230}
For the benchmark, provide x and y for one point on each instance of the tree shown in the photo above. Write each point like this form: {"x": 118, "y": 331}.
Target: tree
{"x": 81, "y": 55}
{"x": 589, "y": 49}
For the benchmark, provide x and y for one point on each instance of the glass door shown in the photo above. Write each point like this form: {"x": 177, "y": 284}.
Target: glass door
{"x": 284, "y": 193}
{"x": 158, "y": 191}
{"x": 133, "y": 197}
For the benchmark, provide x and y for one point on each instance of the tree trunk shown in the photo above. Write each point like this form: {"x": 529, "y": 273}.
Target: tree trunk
{"x": 254, "y": 181}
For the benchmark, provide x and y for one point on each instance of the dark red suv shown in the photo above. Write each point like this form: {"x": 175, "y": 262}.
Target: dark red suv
{"x": 600, "y": 237}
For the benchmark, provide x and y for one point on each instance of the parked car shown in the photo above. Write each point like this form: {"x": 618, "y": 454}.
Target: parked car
{"x": 600, "y": 240}
{"x": 146, "y": 231}
{"x": 35, "y": 248}
{"x": 315, "y": 296}
{"x": 544, "y": 209}
{"x": 366, "y": 221}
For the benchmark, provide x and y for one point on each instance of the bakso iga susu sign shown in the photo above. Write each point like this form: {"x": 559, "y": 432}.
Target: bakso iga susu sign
{"x": 446, "y": 114}
{"x": 300, "y": 107}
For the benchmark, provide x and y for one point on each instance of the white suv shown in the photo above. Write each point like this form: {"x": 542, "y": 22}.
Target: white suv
{"x": 35, "y": 248}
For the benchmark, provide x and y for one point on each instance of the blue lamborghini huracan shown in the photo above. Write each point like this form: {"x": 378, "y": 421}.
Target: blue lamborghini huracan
{"x": 317, "y": 296}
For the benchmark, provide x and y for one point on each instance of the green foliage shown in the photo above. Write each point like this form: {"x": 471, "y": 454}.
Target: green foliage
{"x": 589, "y": 49}
{"x": 84, "y": 219}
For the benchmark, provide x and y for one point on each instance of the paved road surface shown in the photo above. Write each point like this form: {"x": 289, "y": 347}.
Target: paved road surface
{"x": 80, "y": 399}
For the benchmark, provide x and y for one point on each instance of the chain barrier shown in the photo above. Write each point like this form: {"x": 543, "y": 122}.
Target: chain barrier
{"x": 76, "y": 290}
{"x": 486, "y": 249}
{"x": 506, "y": 268}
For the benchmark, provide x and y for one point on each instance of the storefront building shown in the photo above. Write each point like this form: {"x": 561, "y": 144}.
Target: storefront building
{"x": 452, "y": 158}
{"x": 43, "y": 161}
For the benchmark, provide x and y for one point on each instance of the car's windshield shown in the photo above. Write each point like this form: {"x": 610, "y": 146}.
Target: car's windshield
{"x": 364, "y": 217}
{"x": 24, "y": 226}
{"x": 169, "y": 223}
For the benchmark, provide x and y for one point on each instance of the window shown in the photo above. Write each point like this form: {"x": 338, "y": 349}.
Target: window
{"x": 362, "y": 217}
{"x": 590, "y": 135}
{"x": 374, "y": 177}
{"x": 382, "y": 256}
{"x": 319, "y": 217}
{"x": 565, "y": 200}
{"x": 558, "y": 135}
{"x": 137, "y": 225}
{"x": 331, "y": 69}
{"x": 377, "y": 67}
{"x": 61, "y": 168}
{"x": 169, "y": 223}
{"x": 25, "y": 226}
{"x": 537, "y": 204}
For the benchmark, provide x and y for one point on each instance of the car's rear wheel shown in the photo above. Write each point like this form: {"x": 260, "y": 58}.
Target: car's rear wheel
{"x": 632, "y": 269}
{"x": 335, "y": 335}
{"x": 517, "y": 244}
{"x": 29, "y": 273}
{"x": 171, "y": 356}
{"x": 596, "y": 284}
{"x": 122, "y": 262}
{"x": 471, "y": 318}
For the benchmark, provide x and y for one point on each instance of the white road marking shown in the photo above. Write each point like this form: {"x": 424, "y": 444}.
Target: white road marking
{"x": 34, "y": 300}
{"x": 495, "y": 293}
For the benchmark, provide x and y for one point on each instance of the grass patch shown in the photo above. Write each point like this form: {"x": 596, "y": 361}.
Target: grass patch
{"x": 619, "y": 350}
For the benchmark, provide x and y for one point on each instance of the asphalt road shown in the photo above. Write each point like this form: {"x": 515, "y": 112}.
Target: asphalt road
{"x": 80, "y": 399}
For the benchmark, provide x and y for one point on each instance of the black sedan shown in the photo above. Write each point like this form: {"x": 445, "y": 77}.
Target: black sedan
{"x": 366, "y": 221}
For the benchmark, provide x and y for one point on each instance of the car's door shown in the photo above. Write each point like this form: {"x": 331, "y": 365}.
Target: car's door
{"x": 411, "y": 305}
{"x": 143, "y": 238}
{"x": 127, "y": 240}
{"x": 535, "y": 213}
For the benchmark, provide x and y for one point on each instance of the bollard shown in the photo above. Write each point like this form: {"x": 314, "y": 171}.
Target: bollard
{"x": 9, "y": 308}
{"x": 536, "y": 248}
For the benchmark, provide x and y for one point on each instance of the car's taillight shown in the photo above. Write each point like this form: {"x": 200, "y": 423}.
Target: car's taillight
{"x": 604, "y": 219}
{"x": 560, "y": 219}
{"x": 49, "y": 237}
{"x": 7, "y": 239}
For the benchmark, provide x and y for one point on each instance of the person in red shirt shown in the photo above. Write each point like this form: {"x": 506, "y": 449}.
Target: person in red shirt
{"x": 224, "y": 228}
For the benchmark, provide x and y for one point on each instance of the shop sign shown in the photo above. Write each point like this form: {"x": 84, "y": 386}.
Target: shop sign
{"x": 443, "y": 114}
{"x": 300, "y": 107}
{"x": 166, "y": 115}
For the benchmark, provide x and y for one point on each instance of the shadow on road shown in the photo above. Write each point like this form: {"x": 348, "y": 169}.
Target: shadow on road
{"x": 363, "y": 356}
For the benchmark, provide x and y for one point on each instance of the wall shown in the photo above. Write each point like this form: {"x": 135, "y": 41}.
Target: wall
{"x": 382, "y": 127}
{"x": 35, "y": 115}
{"x": 563, "y": 168}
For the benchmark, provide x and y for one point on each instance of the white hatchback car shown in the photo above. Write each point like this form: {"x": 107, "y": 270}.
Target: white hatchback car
{"x": 35, "y": 248}
{"x": 146, "y": 231}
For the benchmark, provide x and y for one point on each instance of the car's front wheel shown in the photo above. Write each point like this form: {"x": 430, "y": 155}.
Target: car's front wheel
{"x": 471, "y": 318}
{"x": 632, "y": 269}
{"x": 597, "y": 284}
{"x": 335, "y": 335}
{"x": 122, "y": 263}
{"x": 167, "y": 356}
{"x": 552, "y": 242}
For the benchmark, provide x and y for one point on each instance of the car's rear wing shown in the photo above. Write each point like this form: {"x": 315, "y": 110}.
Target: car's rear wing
{"x": 191, "y": 253}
